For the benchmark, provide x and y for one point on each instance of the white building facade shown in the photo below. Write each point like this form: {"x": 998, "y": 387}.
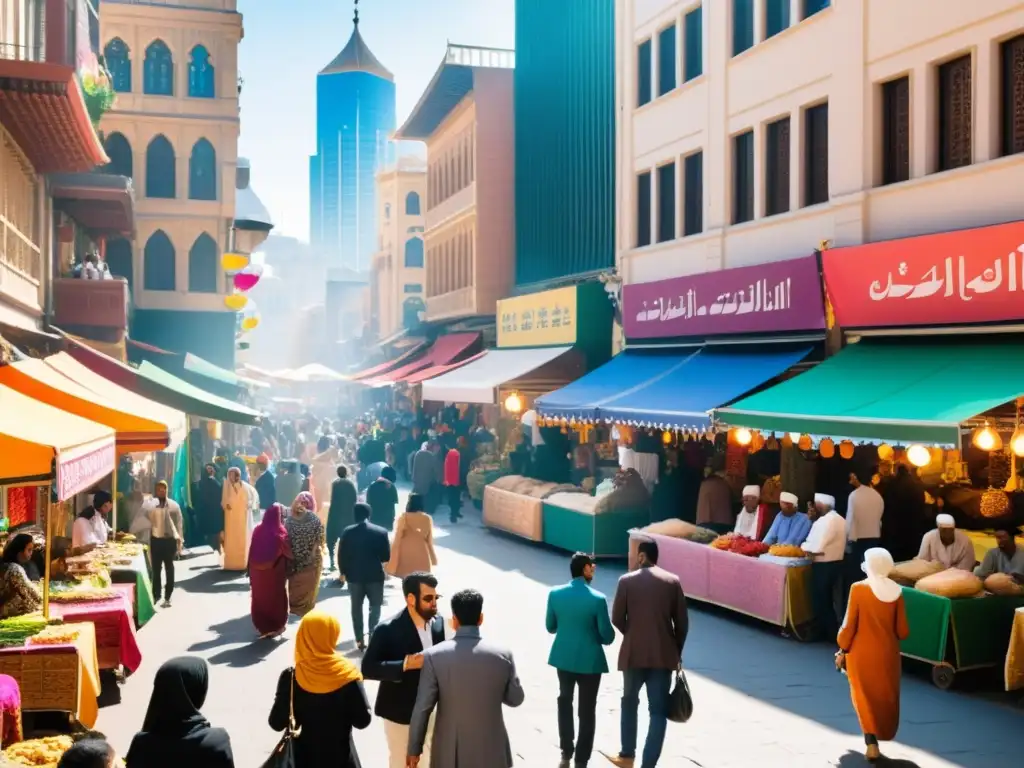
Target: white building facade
{"x": 753, "y": 130}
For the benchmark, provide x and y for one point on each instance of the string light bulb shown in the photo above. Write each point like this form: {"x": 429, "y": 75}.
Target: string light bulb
{"x": 743, "y": 436}
{"x": 987, "y": 439}
{"x": 918, "y": 455}
{"x": 513, "y": 403}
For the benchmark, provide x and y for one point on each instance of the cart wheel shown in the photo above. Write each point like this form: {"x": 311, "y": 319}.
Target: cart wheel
{"x": 943, "y": 675}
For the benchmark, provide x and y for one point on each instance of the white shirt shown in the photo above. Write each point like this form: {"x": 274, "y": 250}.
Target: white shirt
{"x": 827, "y": 538}
{"x": 165, "y": 521}
{"x": 746, "y": 524}
{"x": 427, "y": 638}
{"x": 864, "y": 514}
{"x": 85, "y": 532}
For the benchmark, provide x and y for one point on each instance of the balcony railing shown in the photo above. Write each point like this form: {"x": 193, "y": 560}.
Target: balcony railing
{"x": 79, "y": 303}
{"x": 40, "y": 30}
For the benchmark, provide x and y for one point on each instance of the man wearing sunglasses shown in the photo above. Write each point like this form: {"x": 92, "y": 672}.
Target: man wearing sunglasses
{"x": 395, "y": 658}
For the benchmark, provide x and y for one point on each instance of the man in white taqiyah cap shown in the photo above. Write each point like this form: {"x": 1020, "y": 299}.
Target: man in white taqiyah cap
{"x": 748, "y": 518}
{"x": 826, "y": 545}
{"x": 947, "y": 545}
{"x": 790, "y": 526}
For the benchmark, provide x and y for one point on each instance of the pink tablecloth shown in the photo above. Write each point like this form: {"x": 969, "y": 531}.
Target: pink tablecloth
{"x": 116, "y": 644}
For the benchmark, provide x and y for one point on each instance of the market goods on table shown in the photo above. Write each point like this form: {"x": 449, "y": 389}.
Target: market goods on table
{"x": 951, "y": 583}
{"x": 90, "y": 589}
{"x": 45, "y": 752}
{"x": 17, "y": 629}
{"x": 672, "y": 527}
{"x": 786, "y": 550}
{"x": 701, "y": 536}
{"x": 56, "y": 635}
{"x": 912, "y": 571}
{"x": 740, "y": 545}
{"x": 1003, "y": 584}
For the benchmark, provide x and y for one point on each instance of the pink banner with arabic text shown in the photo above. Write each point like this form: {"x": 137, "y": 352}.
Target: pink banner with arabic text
{"x": 77, "y": 472}
{"x": 953, "y": 278}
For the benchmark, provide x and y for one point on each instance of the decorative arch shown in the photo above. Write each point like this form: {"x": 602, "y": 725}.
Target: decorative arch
{"x": 202, "y": 171}
{"x": 158, "y": 70}
{"x": 201, "y": 80}
{"x": 119, "y": 259}
{"x": 122, "y": 163}
{"x": 158, "y": 267}
{"x": 117, "y": 57}
{"x": 412, "y": 204}
{"x": 414, "y": 252}
{"x": 412, "y": 311}
{"x": 161, "y": 180}
{"x": 202, "y": 265}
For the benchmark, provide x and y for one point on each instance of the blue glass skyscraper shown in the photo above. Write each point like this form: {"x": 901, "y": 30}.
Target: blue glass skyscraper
{"x": 355, "y": 116}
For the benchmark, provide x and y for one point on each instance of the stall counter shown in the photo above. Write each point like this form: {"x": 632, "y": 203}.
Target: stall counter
{"x": 603, "y": 535}
{"x": 116, "y": 644}
{"x": 138, "y": 574}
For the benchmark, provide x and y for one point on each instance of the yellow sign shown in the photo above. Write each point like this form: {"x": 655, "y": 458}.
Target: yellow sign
{"x": 542, "y": 319}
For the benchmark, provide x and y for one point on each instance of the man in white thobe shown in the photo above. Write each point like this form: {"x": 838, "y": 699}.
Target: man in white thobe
{"x": 747, "y": 519}
{"x": 947, "y": 545}
{"x": 826, "y": 546}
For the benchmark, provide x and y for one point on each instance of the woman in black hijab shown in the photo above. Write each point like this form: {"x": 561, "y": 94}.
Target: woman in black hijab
{"x": 175, "y": 733}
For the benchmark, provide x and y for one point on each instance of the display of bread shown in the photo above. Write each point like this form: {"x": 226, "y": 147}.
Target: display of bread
{"x": 952, "y": 583}
{"x": 910, "y": 572}
{"x": 1003, "y": 584}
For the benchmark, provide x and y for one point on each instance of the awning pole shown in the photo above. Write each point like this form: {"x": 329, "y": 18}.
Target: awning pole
{"x": 47, "y": 553}
{"x": 113, "y": 496}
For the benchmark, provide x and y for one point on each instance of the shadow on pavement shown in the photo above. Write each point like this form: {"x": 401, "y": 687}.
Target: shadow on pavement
{"x": 204, "y": 581}
{"x": 247, "y": 655}
{"x": 855, "y": 760}
{"x": 236, "y": 630}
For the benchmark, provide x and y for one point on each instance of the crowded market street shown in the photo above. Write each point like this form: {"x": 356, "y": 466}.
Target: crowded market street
{"x": 760, "y": 699}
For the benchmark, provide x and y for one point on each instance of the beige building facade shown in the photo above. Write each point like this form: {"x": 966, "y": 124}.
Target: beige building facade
{"x": 752, "y": 130}
{"x": 175, "y": 130}
{"x": 470, "y": 203}
{"x": 398, "y": 277}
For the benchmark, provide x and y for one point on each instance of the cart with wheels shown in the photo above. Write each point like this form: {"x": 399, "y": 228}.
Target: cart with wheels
{"x": 956, "y": 635}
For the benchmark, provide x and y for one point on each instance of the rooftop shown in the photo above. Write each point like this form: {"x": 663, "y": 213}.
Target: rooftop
{"x": 356, "y": 56}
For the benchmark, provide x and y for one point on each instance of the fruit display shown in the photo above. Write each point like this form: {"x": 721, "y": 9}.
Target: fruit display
{"x": 701, "y": 536}
{"x": 786, "y": 550}
{"x": 45, "y": 752}
{"x": 724, "y": 541}
{"x": 55, "y": 635}
{"x": 740, "y": 545}
{"x": 82, "y": 594}
{"x": 17, "y": 629}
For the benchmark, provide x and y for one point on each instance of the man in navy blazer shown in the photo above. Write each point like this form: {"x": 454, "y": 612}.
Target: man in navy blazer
{"x": 577, "y": 616}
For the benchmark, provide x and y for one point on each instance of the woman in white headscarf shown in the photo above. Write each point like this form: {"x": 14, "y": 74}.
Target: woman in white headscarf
{"x": 869, "y": 644}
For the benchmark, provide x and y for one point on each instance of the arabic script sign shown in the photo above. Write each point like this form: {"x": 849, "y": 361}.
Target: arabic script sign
{"x": 968, "y": 276}
{"x": 77, "y": 472}
{"x": 540, "y": 319}
{"x": 765, "y": 298}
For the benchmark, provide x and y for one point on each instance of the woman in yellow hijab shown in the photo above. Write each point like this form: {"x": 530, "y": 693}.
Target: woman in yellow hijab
{"x": 325, "y": 690}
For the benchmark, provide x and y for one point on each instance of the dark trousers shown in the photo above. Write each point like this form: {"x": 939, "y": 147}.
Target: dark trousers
{"x": 332, "y": 543}
{"x": 163, "y": 551}
{"x": 825, "y": 578}
{"x": 454, "y": 501}
{"x": 589, "y": 685}
{"x": 214, "y": 541}
{"x": 374, "y": 592}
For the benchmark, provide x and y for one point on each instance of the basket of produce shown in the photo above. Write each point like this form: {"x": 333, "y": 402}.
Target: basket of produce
{"x": 44, "y": 753}
{"x": 740, "y": 545}
{"x": 786, "y": 550}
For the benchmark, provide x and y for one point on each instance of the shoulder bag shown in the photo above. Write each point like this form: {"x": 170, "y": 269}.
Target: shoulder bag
{"x": 680, "y": 703}
{"x": 283, "y": 755}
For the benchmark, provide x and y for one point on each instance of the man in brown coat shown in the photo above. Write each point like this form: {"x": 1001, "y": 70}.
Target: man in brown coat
{"x": 650, "y": 612}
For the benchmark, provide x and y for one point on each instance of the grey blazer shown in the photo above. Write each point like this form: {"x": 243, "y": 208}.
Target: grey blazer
{"x": 467, "y": 679}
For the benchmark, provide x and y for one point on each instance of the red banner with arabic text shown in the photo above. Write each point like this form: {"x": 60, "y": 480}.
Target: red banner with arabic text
{"x": 953, "y": 278}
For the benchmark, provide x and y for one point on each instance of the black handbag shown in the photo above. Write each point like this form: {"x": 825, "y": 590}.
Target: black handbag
{"x": 680, "y": 702}
{"x": 283, "y": 755}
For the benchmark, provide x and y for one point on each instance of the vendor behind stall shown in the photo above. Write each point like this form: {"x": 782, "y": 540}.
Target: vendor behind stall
{"x": 826, "y": 546}
{"x": 90, "y": 529}
{"x": 947, "y": 545}
{"x": 747, "y": 519}
{"x": 714, "y": 502}
{"x": 18, "y": 595}
{"x": 1006, "y": 557}
{"x": 790, "y": 526}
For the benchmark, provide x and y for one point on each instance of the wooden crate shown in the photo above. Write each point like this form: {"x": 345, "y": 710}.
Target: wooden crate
{"x": 48, "y": 676}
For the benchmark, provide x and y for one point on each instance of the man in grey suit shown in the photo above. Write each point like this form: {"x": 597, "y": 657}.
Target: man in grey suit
{"x": 468, "y": 679}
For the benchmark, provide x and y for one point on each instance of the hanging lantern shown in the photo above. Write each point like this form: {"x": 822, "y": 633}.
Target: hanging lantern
{"x": 234, "y": 262}
{"x": 919, "y": 456}
{"x": 757, "y": 443}
{"x": 513, "y": 403}
{"x": 1017, "y": 442}
{"x": 994, "y": 503}
{"x": 743, "y": 436}
{"x": 827, "y": 448}
{"x": 846, "y": 449}
{"x": 787, "y": 440}
{"x": 235, "y": 301}
{"x": 805, "y": 443}
{"x": 246, "y": 279}
{"x": 248, "y": 323}
{"x": 666, "y": 437}
{"x": 885, "y": 452}
{"x": 987, "y": 439}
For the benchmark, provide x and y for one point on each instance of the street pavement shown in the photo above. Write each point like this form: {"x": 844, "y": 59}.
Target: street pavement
{"x": 760, "y": 699}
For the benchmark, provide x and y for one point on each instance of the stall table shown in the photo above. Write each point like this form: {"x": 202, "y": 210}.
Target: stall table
{"x": 957, "y": 635}
{"x": 116, "y": 645}
{"x": 766, "y": 590}
{"x": 603, "y": 535}
{"x": 58, "y": 678}
{"x": 513, "y": 513}
{"x": 138, "y": 574}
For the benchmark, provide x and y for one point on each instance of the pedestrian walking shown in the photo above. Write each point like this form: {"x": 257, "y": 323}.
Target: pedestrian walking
{"x": 175, "y": 733}
{"x": 340, "y": 514}
{"x": 240, "y": 502}
{"x": 650, "y": 611}
{"x": 325, "y": 691}
{"x": 413, "y": 548}
{"x": 382, "y": 496}
{"x": 306, "y": 537}
{"x": 166, "y": 541}
{"x": 208, "y": 507}
{"x": 577, "y": 616}
{"x": 869, "y": 650}
{"x": 270, "y": 559}
{"x": 265, "y": 483}
{"x": 426, "y": 475}
{"x": 469, "y": 680}
{"x": 363, "y": 551}
{"x": 394, "y": 656}
{"x": 453, "y": 483}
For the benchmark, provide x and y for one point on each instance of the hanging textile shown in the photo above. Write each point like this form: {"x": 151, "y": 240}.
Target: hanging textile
{"x": 22, "y": 505}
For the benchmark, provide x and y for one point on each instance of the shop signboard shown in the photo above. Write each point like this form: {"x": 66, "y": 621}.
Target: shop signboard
{"x": 542, "y": 319}
{"x": 776, "y": 297}
{"x": 952, "y": 278}
{"x": 78, "y": 471}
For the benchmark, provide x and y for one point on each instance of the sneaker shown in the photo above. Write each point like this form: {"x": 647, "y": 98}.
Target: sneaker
{"x": 165, "y": 604}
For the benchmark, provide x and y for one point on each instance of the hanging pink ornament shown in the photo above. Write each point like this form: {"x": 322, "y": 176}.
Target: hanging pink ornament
{"x": 244, "y": 281}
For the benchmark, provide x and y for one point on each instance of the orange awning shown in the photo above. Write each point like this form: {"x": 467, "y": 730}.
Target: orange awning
{"x": 36, "y": 379}
{"x": 175, "y": 422}
{"x": 41, "y": 443}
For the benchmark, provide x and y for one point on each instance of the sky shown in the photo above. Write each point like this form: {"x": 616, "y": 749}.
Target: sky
{"x": 286, "y": 44}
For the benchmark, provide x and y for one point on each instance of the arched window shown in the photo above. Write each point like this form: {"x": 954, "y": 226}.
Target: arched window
{"x": 202, "y": 265}
{"x": 387, "y": 211}
{"x": 200, "y": 74}
{"x": 160, "y": 173}
{"x": 117, "y": 57}
{"x": 158, "y": 70}
{"x": 119, "y": 259}
{"x": 202, "y": 171}
{"x": 412, "y": 204}
{"x": 158, "y": 263}
{"x": 120, "y": 153}
{"x": 414, "y": 252}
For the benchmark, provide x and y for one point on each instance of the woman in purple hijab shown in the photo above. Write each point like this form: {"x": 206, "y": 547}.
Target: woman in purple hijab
{"x": 270, "y": 557}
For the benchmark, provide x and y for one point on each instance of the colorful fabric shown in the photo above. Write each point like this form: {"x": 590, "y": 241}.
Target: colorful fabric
{"x": 303, "y": 587}
{"x": 21, "y": 505}
{"x": 319, "y": 668}
{"x": 269, "y": 606}
{"x": 10, "y": 711}
{"x": 269, "y": 539}
{"x": 305, "y": 534}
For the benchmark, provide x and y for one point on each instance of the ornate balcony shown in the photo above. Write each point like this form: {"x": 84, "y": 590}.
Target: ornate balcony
{"x": 94, "y": 308}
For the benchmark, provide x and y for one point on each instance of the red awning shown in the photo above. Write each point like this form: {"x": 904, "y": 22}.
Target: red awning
{"x": 445, "y": 351}
{"x": 390, "y": 365}
{"x": 436, "y": 370}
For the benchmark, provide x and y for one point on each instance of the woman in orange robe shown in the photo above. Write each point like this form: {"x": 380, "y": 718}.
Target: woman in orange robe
{"x": 876, "y": 622}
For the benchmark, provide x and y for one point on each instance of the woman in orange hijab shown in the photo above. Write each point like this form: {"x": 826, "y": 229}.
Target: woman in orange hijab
{"x": 325, "y": 692}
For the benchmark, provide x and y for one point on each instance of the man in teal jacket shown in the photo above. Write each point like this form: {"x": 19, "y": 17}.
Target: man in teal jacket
{"x": 578, "y": 618}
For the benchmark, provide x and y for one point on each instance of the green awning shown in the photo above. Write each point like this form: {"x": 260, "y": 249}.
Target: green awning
{"x": 193, "y": 400}
{"x": 905, "y": 392}
{"x": 197, "y": 365}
